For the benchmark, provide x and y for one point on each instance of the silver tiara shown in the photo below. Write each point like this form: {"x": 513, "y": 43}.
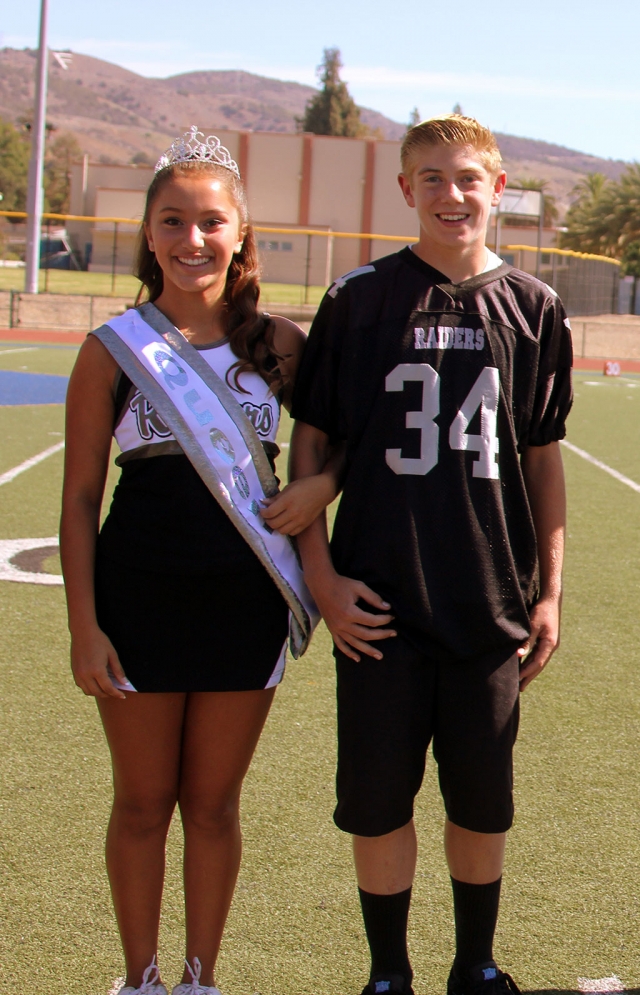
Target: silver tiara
{"x": 189, "y": 148}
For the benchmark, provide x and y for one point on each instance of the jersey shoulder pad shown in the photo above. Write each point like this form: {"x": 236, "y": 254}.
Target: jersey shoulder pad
{"x": 342, "y": 280}
{"x": 532, "y": 283}
{"x": 383, "y": 268}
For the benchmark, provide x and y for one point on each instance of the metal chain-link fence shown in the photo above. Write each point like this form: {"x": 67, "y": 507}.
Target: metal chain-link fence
{"x": 585, "y": 283}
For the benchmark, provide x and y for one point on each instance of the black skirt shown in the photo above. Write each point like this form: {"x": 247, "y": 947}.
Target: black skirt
{"x": 222, "y": 631}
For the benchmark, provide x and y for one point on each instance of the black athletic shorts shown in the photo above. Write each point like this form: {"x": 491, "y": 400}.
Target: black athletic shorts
{"x": 389, "y": 711}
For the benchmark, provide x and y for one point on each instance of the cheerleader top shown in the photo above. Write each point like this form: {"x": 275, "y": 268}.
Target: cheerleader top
{"x": 162, "y": 515}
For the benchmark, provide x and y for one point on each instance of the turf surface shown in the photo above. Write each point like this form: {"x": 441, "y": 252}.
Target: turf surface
{"x": 570, "y": 905}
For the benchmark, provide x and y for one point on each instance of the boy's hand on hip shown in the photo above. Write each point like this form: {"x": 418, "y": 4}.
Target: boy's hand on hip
{"x": 351, "y": 627}
{"x": 543, "y": 641}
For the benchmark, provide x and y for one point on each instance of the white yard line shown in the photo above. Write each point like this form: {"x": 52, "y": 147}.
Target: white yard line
{"x": 602, "y": 466}
{"x": 29, "y": 348}
{"x": 28, "y": 463}
{"x": 610, "y": 984}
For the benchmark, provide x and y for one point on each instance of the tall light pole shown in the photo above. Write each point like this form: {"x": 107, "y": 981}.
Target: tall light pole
{"x": 36, "y": 163}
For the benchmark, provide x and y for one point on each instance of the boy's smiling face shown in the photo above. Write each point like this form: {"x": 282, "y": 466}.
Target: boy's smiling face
{"x": 453, "y": 193}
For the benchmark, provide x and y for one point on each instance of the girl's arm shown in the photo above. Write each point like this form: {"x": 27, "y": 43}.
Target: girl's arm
{"x": 300, "y": 502}
{"x": 89, "y": 424}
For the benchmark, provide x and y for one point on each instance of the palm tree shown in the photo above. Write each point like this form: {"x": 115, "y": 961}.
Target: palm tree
{"x": 591, "y": 218}
{"x": 625, "y": 219}
{"x": 605, "y": 218}
{"x": 590, "y": 186}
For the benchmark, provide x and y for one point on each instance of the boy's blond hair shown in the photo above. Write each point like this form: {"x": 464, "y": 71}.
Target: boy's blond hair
{"x": 451, "y": 129}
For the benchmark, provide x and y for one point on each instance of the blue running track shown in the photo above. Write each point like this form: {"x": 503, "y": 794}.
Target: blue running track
{"x": 32, "y": 388}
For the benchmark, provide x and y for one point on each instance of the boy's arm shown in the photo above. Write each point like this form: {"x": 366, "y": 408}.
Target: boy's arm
{"x": 301, "y": 501}
{"x": 352, "y": 628}
{"x": 544, "y": 481}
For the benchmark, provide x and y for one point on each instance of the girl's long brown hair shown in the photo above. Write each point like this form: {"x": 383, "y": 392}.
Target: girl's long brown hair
{"x": 250, "y": 333}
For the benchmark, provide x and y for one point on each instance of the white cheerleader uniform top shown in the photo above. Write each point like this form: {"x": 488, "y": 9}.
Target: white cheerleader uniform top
{"x": 139, "y": 427}
{"x": 162, "y": 515}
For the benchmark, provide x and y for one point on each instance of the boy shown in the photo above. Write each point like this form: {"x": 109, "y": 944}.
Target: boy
{"x": 447, "y": 374}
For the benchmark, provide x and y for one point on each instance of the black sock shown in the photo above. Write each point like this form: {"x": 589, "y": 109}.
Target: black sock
{"x": 475, "y": 908}
{"x": 385, "y": 922}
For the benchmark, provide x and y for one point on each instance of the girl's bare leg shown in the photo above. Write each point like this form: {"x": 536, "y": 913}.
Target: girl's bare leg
{"x": 145, "y": 738}
{"x": 221, "y": 731}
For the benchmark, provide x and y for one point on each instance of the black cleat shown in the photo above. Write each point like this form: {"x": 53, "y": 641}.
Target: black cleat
{"x": 484, "y": 979}
{"x": 388, "y": 984}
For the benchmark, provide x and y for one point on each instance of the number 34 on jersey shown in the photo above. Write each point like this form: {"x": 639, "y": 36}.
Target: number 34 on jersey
{"x": 483, "y": 395}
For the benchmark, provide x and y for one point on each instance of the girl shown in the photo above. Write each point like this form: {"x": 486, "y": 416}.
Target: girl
{"x": 178, "y": 618}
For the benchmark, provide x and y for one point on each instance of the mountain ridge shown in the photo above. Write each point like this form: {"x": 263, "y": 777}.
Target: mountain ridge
{"x": 117, "y": 114}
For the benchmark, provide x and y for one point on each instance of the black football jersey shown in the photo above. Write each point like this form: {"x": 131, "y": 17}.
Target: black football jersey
{"x": 437, "y": 388}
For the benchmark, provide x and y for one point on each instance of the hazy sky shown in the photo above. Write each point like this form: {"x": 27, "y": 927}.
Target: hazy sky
{"x": 565, "y": 71}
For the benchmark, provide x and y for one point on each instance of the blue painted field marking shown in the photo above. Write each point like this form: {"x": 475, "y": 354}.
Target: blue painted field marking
{"x": 32, "y": 388}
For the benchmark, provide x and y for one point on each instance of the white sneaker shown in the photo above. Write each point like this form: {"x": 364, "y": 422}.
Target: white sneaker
{"x": 194, "y": 987}
{"x": 149, "y": 984}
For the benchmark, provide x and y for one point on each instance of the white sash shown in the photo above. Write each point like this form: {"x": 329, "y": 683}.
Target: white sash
{"x": 218, "y": 438}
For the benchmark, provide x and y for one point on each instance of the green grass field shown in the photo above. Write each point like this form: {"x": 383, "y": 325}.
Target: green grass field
{"x": 572, "y": 881}
{"x": 70, "y": 282}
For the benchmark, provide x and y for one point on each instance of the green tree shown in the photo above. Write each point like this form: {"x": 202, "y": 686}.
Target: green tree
{"x": 332, "y": 111}
{"x": 631, "y": 259}
{"x": 604, "y": 218}
{"x": 590, "y": 186}
{"x": 141, "y": 159}
{"x": 414, "y": 118}
{"x": 590, "y": 218}
{"x": 14, "y": 165}
{"x": 624, "y": 219}
{"x": 57, "y": 172}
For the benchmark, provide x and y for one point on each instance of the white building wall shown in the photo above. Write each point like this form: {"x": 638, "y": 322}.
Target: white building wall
{"x": 337, "y": 181}
{"x": 273, "y": 177}
{"x": 390, "y": 214}
{"x": 344, "y": 189}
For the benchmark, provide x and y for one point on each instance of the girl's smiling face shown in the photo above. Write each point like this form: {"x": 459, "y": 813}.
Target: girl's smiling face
{"x": 194, "y": 229}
